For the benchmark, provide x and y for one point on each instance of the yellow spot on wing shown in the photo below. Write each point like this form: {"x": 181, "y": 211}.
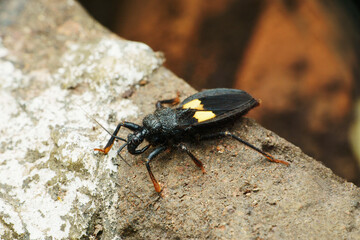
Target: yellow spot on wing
{"x": 194, "y": 104}
{"x": 204, "y": 115}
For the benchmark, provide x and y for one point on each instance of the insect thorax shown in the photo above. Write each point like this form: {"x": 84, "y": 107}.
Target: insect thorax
{"x": 162, "y": 125}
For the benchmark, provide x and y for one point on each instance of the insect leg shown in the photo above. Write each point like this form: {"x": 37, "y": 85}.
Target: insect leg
{"x": 129, "y": 125}
{"x": 229, "y": 134}
{"x": 132, "y": 126}
{"x": 119, "y": 151}
{"x": 195, "y": 160}
{"x": 140, "y": 151}
{"x": 173, "y": 101}
{"x": 151, "y": 156}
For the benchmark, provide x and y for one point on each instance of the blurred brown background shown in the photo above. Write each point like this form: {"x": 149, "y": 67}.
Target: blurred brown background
{"x": 300, "y": 57}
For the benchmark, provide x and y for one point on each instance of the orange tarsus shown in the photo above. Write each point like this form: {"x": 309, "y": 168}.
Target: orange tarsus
{"x": 104, "y": 151}
{"x": 177, "y": 99}
{"x": 100, "y": 150}
{"x": 155, "y": 182}
{"x": 272, "y": 159}
{"x": 156, "y": 185}
{"x": 281, "y": 161}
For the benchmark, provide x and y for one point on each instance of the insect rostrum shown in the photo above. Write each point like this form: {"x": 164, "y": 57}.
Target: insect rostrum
{"x": 196, "y": 118}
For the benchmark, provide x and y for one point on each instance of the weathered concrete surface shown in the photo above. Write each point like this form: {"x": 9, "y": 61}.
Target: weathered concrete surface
{"x": 56, "y": 64}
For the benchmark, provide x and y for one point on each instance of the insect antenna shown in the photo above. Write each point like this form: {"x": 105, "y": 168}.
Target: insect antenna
{"x": 118, "y": 153}
{"x": 116, "y": 137}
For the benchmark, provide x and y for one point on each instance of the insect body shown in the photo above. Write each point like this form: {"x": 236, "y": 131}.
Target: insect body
{"x": 198, "y": 117}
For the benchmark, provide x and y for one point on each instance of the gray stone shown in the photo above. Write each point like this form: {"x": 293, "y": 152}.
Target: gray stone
{"x": 57, "y": 66}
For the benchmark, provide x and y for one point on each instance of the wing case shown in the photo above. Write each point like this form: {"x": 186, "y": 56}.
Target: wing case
{"x": 214, "y": 105}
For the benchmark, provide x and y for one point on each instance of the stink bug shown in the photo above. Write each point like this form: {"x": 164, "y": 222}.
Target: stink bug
{"x": 197, "y": 118}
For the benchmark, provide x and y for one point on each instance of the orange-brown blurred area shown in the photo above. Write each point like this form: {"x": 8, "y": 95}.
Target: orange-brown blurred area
{"x": 300, "y": 57}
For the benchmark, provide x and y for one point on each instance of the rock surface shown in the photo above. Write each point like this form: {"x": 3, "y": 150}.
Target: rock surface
{"x": 56, "y": 67}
